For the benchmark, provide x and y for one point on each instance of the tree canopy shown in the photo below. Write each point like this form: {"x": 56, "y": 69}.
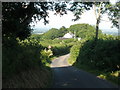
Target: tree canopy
{"x": 55, "y": 33}
{"x": 17, "y": 16}
{"x": 51, "y": 34}
{"x": 80, "y": 30}
{"x": 83, "y": 30}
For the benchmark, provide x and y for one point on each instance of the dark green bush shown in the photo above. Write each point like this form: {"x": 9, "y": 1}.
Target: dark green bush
{"x": 19, "y": 56}
{"x": 103, "y": 54}
{"x": 60, "y": 50}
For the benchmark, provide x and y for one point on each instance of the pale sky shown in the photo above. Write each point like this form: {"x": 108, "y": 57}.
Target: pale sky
{"x": 55, "y": 21}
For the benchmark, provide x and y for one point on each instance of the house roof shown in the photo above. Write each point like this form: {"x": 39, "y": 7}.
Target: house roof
{"x": 68, "y": 35}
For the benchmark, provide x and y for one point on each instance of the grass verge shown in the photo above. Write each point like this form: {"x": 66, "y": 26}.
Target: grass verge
{"x": 113, "y": 77}
{"x": 33, "y": 78}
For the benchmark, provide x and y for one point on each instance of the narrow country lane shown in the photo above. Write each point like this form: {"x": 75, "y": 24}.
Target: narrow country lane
{"x": 66, "y": 76}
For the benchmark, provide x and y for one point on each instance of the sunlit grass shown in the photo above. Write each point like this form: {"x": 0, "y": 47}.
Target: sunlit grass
{"x": 101, "y": 76}
{"x": 110, "y": 76}
{"x": 115, "y": 74}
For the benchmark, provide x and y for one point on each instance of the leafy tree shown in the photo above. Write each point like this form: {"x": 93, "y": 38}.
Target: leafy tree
{"x": 55, "y": 33}
{"x": 99, "y": 8}
{"x": 83, "y": 30}
{"x": 114, "y": 14}
{"x": 51, "y": 34}
{"x": 15, "y": 19}
{"x": 62, "y": 31}
{"x": 18, "y": 15}
{"x": 36, "y": 36}
{"x": 98, "y": 17}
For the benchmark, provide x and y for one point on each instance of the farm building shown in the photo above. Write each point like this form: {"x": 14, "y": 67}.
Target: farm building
{"x": 69, "y": 35}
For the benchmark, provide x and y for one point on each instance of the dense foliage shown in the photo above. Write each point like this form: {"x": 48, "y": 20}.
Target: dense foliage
{"x": 19, "y": 56}
{"x": 36, "y": 36}
{"x": 22, "y": 58}
{"x": 100, "y": 58}
{"x": 19, "y": 15}
{"x": 54, "y": 33}
{"x": 74, "y": 52}
{"x": 62, "y": 31}
{"x": 15, "y": 19}
{"x": 59, "y": 47}
{"x": 103, "y": 54}
{"x": 83, "y": 30}
{"x": 51, "y": 34}
{"x": 80, "y": 30}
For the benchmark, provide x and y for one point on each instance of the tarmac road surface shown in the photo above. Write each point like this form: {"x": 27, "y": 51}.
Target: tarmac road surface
{"x": 67, "y": 76}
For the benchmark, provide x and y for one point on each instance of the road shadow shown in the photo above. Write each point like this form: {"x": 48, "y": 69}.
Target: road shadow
{"x": 71, "y": 77}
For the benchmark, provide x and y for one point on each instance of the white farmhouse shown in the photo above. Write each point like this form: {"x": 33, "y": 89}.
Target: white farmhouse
{"x": 68, "y": 35}
{"x": 79, "y": 38}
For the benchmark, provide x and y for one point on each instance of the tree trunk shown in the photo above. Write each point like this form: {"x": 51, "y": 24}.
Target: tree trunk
{"x": 97, "y": 28}
{"x": 97, "y": 15}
